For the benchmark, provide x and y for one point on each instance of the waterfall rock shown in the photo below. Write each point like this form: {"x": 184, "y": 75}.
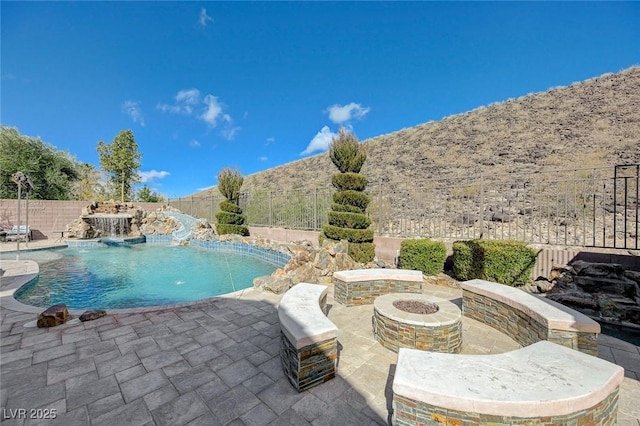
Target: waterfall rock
{"x": 53, "y": 315}
{"x": 606, "y": 290}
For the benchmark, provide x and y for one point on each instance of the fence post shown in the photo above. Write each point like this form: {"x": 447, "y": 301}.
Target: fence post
{"x": 481, "y": 206}
{"x": 379, "y": 207}
{"x": 315, "y": 208}
{"x": 211, "y": 214}
{"x": 271, "y": 209}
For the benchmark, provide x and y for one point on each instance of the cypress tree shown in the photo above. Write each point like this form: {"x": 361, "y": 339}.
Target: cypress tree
{"x": 347, "y": 218}
{"x": 230, "y": 220}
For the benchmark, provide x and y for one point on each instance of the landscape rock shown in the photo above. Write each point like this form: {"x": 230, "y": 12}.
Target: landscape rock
{"x": 605, "y": 290}
{"x": 53, "y": 316}
{"x": 92, "y": 315}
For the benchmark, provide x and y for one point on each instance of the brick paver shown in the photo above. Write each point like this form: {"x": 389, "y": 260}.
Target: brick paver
{"x": 218, "y": 363}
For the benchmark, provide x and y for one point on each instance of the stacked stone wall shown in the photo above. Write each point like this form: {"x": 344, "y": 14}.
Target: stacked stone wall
{"x": 407, "y": 412}
{"x": 520, "y": 326}
{"x": 365, "y": 292}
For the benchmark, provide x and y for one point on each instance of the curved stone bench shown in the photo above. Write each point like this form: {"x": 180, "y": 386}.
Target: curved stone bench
{"x": 362, "y": 286}
{"x": 309, "y": 340}
{"x": 543, "y": 383}
{"x": 528, "y": 318}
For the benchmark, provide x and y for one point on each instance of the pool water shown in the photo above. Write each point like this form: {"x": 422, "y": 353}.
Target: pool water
{"x": 137, "y": 276}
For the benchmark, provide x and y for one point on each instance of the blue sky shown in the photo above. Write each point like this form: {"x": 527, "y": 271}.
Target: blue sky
{"x": 253, "y": 85}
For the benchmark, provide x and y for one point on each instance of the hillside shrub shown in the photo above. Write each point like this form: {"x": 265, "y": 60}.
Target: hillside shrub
{"x": 423, "y": 255}
{"x": 505, "y": 262}
{"x": 230, "y": 220}
{"x": 347, "y": 219}
{"x": 345, "y": 181}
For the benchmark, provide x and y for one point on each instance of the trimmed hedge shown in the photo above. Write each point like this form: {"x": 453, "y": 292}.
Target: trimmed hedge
{"x": 362, "y": 252}
{"x": 505, "y": 262}
{"x": 226, "y": 228}
{"x": 423, "y": 255}
{"x": 349, "y": 220}
{"x": 230, "y": 218}
{"x": 351, "y": 235}
{"x": 345, "y": 208}
{"x": 352, "y": 198}
{"x": 349, "y": 181}
{"x": 228, "y": 206}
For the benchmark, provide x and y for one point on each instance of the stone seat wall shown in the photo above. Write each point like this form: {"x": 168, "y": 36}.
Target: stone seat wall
{"x": 528, "y": 318}
{"x": 309, "y": 340}
{"x": 541, "y": 384}
{"x": 363, "y": 286}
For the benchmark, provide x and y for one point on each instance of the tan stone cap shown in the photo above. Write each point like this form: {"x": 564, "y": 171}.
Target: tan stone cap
{"x": 301, "y": 317}
{"x": 543, "y": 379}
{"x": 356, "y": 275}
{"x": 553, "y": 314}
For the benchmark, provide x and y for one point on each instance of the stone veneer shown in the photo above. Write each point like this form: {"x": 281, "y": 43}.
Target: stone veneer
{"x": 363, "y": 286}
{"x": 438, "y": 332}
{"x": 407, "y": 412}
{"x": 524, "y": 324}
{"x": 541, "y": 384}
{"x": 309, "y": 341}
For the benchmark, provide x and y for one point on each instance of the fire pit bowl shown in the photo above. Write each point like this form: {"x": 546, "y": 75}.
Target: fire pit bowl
{"x": 417, "y": 321}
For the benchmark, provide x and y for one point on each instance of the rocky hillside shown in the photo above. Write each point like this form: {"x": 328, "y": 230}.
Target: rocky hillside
{"x": 592, "y": 123}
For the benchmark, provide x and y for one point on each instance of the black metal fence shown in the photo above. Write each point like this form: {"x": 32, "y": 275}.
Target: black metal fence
{"x": 595, "y": 207}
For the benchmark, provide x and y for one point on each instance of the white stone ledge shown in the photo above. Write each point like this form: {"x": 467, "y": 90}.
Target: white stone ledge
{"x": 301, "y": 317}
{"x": 356, "y": 275}
{"x": 554, "y": 315}
{"x": 543, "y": 379}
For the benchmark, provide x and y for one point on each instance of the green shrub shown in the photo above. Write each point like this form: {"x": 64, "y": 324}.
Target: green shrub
{"x": 228, "y": 206}
{"x": 505, "y": 262}
{"x": 349, "y": 220}
{"x": 345, "y": 208}
{"x": 346, "y": 181}
{"x": 423, "y": 255}
{"x": 229, "y": 183}
{"x": 352, "y": 198}
{"x": 351, "y": 235}
{"x": 362, "y": 252}
{"x": 346, "y": 153}
{"x": 225, "y": 228}
{"x": 463, "y": 266}
{"x": 230, "y": 218}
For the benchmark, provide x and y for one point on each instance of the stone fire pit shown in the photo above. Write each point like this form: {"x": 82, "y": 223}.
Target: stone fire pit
{"x": 395, "y": 325}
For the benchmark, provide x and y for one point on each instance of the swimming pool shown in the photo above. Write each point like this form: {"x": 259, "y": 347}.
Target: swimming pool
{"x": 139, "y": 275}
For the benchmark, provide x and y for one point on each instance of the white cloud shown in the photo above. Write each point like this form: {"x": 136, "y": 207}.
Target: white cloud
{"x": 204, "y": 18}
{"x": 263, "y": 158}
{"x": 132, "y": 109}
{"x": 320, "y": 141}
{"x": 340, "y": 114}
{"x": 151, "y": 175}
{"x": 269, "y": 141}
{"x": 214, "y": 109}
{"x": 186, "y": 101}
{"x": 195, "y": 144}
{"x": 229, "y": 132}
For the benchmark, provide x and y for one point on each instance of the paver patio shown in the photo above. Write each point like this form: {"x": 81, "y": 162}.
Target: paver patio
{"x": 217, "y": 363}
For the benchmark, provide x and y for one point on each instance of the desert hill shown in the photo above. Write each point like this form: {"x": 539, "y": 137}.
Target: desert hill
{"x": 588, "y": 124}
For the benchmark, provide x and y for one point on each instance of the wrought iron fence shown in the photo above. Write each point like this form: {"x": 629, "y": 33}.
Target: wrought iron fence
{"x": 595, "y": 207}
